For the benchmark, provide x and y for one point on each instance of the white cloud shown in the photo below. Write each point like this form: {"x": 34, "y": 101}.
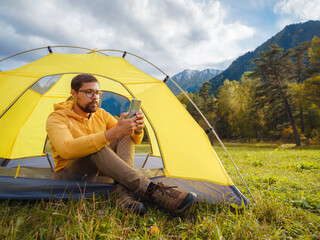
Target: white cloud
{"x": 173, "y": 34}
{"x": 302, "y": 10}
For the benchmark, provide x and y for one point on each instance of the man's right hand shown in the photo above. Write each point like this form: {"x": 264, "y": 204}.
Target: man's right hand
{"x": 124, "y": 127}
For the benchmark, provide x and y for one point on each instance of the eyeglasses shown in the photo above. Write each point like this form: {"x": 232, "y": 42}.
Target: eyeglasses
{"x": 89, "y": 93}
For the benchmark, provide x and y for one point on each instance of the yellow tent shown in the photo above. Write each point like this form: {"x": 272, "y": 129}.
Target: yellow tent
{"x": 29, "y": 92}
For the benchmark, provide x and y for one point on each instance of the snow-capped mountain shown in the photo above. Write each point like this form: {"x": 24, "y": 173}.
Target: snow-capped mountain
{"x": 192, "y": 80}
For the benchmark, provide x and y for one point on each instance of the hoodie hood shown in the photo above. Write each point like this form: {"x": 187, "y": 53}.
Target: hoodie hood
{"x": 66, "y": 108}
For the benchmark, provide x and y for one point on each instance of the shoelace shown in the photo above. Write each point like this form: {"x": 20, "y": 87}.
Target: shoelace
{"x": 164, "y": 189}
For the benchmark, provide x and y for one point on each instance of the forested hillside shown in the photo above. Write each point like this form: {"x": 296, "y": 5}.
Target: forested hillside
{"x": 278, "y": 100}
{"x": 291, "y": 36}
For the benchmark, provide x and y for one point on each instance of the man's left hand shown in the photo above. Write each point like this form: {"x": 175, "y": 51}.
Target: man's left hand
{"x": 139, "y": 122}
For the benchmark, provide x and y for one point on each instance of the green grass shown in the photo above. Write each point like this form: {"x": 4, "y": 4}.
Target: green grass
{"x": 284, "y": 181}
{"x": 143, "y": 147}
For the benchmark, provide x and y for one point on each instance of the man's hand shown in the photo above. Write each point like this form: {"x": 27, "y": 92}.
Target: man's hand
{"x": 139, "y": 122}
{"x": 125, "y": 126}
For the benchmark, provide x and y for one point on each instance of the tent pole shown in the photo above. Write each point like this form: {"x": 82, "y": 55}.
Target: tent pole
{"x": 35, "y": 49}
{"x": 216, "y": 135}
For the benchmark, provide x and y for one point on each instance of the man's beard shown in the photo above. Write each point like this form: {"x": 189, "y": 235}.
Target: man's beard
{"x": 90, "y": 107}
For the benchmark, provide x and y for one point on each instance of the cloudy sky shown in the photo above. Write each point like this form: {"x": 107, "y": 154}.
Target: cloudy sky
{"x": 172, "y": 34}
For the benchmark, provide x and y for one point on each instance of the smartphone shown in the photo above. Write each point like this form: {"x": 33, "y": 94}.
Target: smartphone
{"x": 134, "y": 107}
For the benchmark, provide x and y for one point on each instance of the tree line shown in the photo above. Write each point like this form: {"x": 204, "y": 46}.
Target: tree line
{"x": 278, "y": 100}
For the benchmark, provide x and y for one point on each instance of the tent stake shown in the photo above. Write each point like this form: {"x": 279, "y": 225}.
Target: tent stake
{"x": 216, "y": 135}
{"x": 145, "y": 161}
{"x": 48, "y": 158}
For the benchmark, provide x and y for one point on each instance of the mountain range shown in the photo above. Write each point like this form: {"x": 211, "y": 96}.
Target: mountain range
{"x": 192, "y": 80}
{"x": 290, "y": 37}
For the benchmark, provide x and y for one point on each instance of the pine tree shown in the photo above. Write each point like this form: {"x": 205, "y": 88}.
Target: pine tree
{"x": 208, "y": 100}
{"x": 274, "y": 67}
{"x": 300, "y": 58}
{"x": 314, "y": 54}
{"x": 312, "y": 84}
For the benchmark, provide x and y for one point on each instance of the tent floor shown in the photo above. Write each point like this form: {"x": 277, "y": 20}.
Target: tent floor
{"x": 35, "y": 180}
{"x": 37, "y": 183}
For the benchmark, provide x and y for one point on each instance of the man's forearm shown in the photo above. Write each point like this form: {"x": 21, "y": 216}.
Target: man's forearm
{"x": 71, "y": 148}
{"x": 112, "y": 134}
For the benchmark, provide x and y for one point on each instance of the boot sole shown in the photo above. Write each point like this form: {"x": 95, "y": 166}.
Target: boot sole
{"x": 185, "y": 205}
{"x": 137, "y": 208}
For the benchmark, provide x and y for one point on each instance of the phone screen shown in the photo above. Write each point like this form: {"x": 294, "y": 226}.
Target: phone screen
{"x": 134, "y": 107}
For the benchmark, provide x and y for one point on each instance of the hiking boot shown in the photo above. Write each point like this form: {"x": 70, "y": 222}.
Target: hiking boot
{"x": 167, "y": 197}
{"x": 127, "y": 201}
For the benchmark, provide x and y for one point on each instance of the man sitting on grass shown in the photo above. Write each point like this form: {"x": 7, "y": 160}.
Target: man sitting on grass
{"x": 87, "y": 140}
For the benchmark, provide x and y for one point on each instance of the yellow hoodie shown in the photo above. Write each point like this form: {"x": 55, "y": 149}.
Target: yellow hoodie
{"x": 73, "y": 136}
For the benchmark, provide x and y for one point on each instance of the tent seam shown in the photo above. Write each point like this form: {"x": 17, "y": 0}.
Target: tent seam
{"x": 14, "y": 142}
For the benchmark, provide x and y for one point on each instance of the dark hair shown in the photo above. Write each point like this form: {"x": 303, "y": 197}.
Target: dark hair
{"x": 78, "y": 80}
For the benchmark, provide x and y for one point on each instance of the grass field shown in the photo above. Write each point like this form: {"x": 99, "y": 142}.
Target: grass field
{"x": 283, "y": 180}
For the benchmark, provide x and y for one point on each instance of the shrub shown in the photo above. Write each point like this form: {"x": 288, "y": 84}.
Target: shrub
{"x": 288, "y": 136}
{"x": 314, "y": 137}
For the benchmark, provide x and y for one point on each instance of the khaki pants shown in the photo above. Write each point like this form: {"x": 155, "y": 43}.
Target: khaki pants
{"x": 114, "y": 161}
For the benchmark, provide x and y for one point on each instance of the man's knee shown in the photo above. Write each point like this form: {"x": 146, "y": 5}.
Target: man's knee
{"x": 126, "y": 140}
{"x": 103, "y": 153}
{"x": 121, "y": 142}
